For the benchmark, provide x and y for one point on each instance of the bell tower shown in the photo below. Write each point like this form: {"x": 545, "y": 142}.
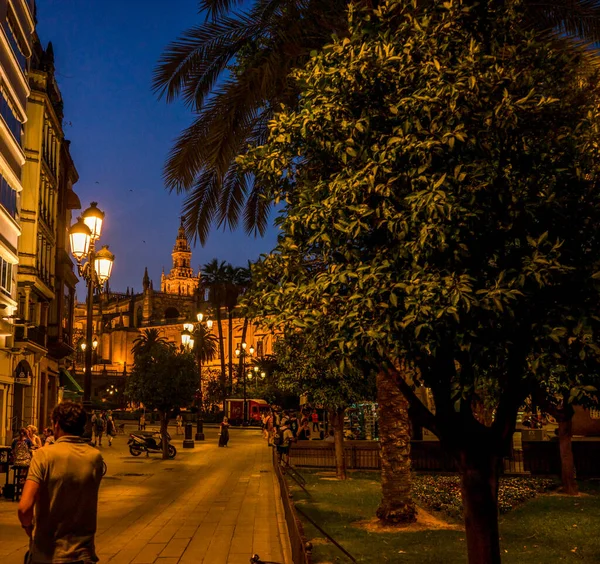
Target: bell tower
{"x": 181, "y": 279}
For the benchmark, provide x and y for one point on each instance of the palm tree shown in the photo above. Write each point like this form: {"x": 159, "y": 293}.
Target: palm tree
{"x": 205, "y": 347}
{"x": 243, "y": 279}
{"x": 215, "y": 279}
{"x": 148, "y": 343}
{"x": 232, "y": 107}
{"x": 231, "y": 295}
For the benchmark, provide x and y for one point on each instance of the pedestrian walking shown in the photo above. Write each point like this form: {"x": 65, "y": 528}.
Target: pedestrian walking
{"x": 179, "y": 421}
{"x": 315, "y": 421}
{"x": 142, "y": 422}
{"x": 62, "y": 488}
{"x": 224, "y": 433}
{"x": 111, "y": 430}
{"x": 98, "y": 426}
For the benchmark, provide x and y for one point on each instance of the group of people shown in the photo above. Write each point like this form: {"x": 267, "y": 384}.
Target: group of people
{"x": 27, "y": 442}
{"x": 103, "y": 423}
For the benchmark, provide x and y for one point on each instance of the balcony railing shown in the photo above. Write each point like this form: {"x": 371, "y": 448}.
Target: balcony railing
{"x": 35, "y": 335}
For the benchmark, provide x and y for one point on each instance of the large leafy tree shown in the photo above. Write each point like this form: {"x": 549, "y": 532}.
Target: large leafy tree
{"x": 233, "y": 70}
{"x": 163, "y": 379}
{"x": 440, "y": 178}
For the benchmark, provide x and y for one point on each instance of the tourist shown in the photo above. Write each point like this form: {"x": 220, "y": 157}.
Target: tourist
{"x": 224, "y": 433}
{"x": 303, "y": 431}
{"x": 64, "y": 495}
{"x": 36, "y": 441}
{"x": 293, "y": 424}
{"x": 142, "y": 422}
{"x": 111, "y": 430}
{"x": 21, "y": 449}
{"x": 98, "y": 425}
{"x": 179, "y": 421}
{"x": 48, "y": 436}
{"x": 315, "y": 421}
{"x": 286, "y": 437}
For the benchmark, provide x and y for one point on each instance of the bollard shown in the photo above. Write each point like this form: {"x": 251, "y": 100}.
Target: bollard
{"x": 188, "y": 442}
{"x": 199, "y": 429}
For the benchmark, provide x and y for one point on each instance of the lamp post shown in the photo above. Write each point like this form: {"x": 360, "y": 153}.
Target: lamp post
{"x": 255, "y": 376}
{"x": 187, "y": 340}
{"x": 95, "y": 268}
{"x": 241, "y": 353}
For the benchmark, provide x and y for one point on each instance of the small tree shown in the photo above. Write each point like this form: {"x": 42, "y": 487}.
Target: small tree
{"x": 304, "y": 370}
{"x": 164, "y": 380}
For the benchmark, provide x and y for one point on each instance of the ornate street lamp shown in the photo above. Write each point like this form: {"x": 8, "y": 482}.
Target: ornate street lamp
{"x": 187, "y": 340}
{"x": 241, "y": 353}
{"x": 95, "y": 268}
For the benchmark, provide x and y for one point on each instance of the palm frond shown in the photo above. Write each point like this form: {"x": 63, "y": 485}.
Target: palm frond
{"x": 216, "y": 8}
{"x": 575, "y": 18}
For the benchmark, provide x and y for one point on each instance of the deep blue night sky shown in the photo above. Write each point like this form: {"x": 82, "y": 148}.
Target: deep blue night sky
{"x": 105, "y": 53}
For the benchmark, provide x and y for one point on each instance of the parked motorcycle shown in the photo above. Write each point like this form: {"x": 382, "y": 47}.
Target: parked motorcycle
{"x": 141, "y": 442}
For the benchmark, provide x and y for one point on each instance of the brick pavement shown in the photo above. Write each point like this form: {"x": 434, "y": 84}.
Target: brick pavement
{"x": 208, "y": 506}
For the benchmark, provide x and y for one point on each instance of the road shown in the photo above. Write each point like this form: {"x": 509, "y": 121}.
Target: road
{"x": 209, "y": 505}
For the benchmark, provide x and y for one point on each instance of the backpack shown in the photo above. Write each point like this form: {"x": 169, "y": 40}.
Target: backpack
{"x": 277, "y": 438}
{"x": 22, "y": 454}
{"x": 294, "y": 426}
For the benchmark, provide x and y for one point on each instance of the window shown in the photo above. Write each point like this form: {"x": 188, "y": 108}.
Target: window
{"x": 14, "y": 42}
{"x": 8, "y": 198}
{"x": 6, "y": 281}
{"x": 8, "y": 113}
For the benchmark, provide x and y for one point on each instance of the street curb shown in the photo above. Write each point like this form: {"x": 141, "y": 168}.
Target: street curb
{"x": 284, "y": 536}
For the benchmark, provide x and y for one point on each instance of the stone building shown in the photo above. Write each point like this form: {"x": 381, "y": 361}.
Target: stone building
{"x": 120, "y": 317}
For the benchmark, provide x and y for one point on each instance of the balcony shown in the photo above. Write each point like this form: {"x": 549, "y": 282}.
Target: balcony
{"x": 35, "y": 335}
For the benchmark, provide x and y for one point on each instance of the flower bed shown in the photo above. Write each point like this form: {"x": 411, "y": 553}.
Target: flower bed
{"x": 442, "y": 493}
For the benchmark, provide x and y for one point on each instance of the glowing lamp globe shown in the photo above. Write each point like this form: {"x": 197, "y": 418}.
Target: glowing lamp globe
{"x": 80, "y": 237}
{"x": 103, "y": 264}
{"x": 93, "y": 218}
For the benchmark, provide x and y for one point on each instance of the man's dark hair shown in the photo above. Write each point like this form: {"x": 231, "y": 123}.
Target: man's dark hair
{"x": 71, "y": 417}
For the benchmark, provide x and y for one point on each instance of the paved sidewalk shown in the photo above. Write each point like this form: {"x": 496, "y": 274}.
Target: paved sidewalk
{"x": 210, "y": 505}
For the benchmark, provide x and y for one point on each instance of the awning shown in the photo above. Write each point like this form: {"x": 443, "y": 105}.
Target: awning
{"x": 69, "y": 383}
{"x": 73, "y": 202}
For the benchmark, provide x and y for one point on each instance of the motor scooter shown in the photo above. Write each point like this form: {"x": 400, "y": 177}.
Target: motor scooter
{"x": 149, "y": 442}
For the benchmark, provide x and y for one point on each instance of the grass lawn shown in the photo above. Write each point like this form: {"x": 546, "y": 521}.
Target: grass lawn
{"x": 549, "y": 528}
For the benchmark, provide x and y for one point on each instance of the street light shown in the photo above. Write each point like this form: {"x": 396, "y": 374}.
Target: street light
{"x": 96, "y": 270}
{"x": 241, "y": 353}
{"x": 187, "y": 340}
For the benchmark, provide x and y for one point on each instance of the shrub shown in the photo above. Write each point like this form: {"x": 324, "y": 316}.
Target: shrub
{"x": 442, "y": 493}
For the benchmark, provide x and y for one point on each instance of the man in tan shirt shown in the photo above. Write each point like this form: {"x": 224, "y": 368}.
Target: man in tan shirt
{"x": 59, "y": 505}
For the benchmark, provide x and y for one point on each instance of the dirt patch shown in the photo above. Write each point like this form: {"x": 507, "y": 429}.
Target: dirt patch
{"x": 425, "y": 522}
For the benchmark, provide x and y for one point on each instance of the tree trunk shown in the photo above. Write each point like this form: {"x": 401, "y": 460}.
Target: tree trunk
{"x": 394, "y": 438}
{"x": 244, "y": 332}
{"x": 164, "y": 431}
{"x": 336, "y": 416}
{"x": 479, "y": 471}
{"x": 223, "y": 378}
{"x": 567, "y": 463}
{"x": 230, "y": 348}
